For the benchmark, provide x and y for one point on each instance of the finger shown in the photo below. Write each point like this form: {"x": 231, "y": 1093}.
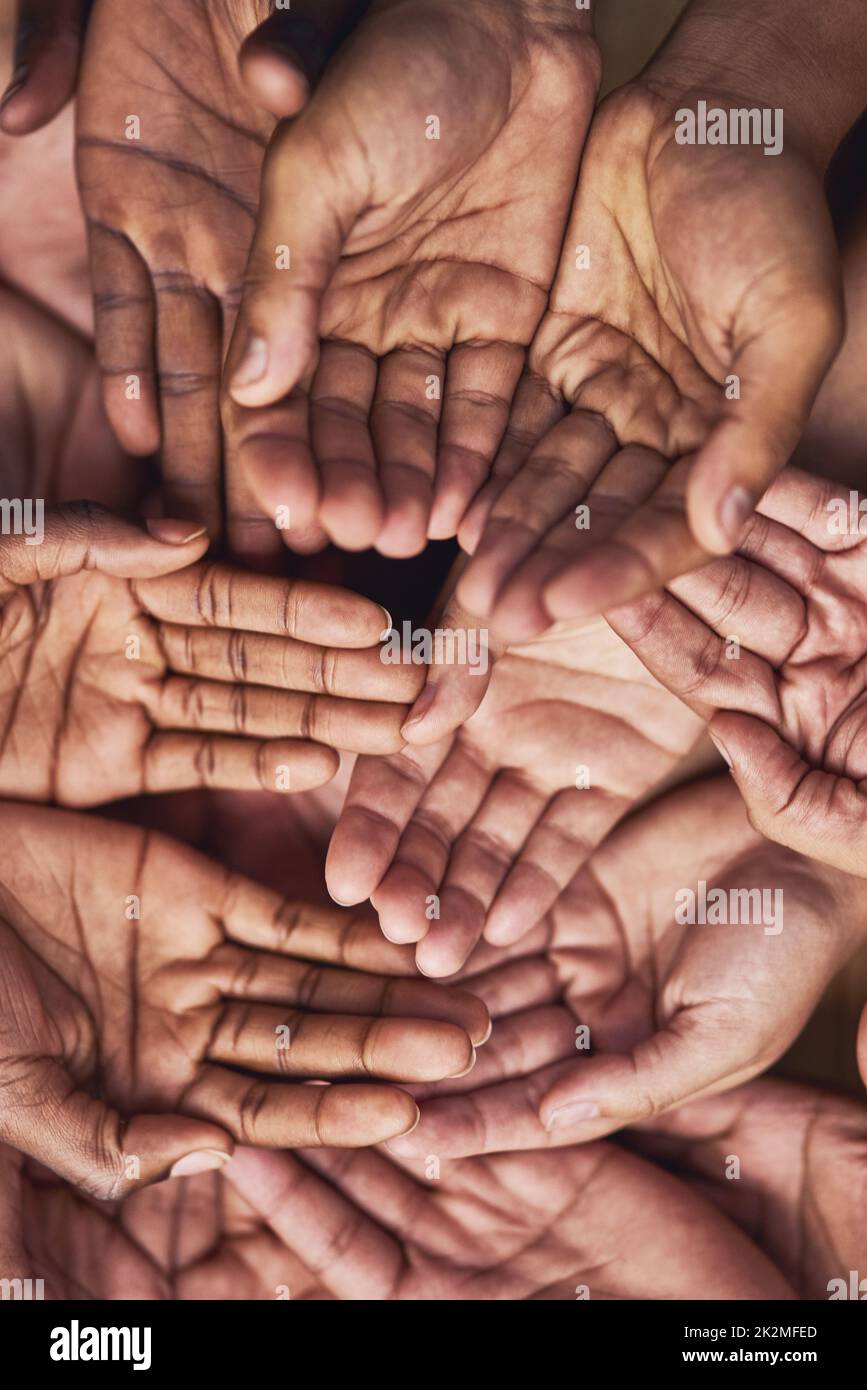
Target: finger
{"x": 758, "y": 432}
{"x": 407, "y": 898}
{"x": 188, "y": 376}
{"x": 692, "y": 661}
{"x": 47, "y": 51}
{"x": 308, "y": 205}
{"x": 124, "y": 333}
{"x": 352, "y": 1254}
{"x": 534, "y": 412}
{"x": 217, "y": 595}
{"x": 91, "y": 1146}
{"x": 497, "y": 1118}
{"x": 267, "y": 978}
{"x": 556, "y": 475}
{"x": 270, "y": 1114}
{"x": 262, "y": 659}
{"x": 291, "y": 1043}
{"x": 383, "y": 794}
{"x": 651, "y": 546}
{"x": 457, "y": 678}
{"x": 269, "y": 457}
{"x": 258, "y": 712}
{"x": 352, "y": 507}
{"x": 480, "y": 384}
{"x": 83, "y": 535}
{"x": 404, "y": 421}
{"x": 176, "y": 762}
{"x": 814, "y": 812}
{"x": 745, "y": 603}
{"x": 282, "y": 60}
{"x": 813, "y": 508}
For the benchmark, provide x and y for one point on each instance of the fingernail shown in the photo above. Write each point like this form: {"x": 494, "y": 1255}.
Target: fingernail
{"x": 253, "y": 364}
{"x": 573, "y": 1114}
{"x": 172, "y": 532}
{"x": 734, "y": 512}
{"x": 421, "y": 707}
{"x": 453, "y": 1076}
{"x": 205, "y": 1161}
{"x": 16, "y": 82}
{"x": 388, "y": 623}
{"x": 721, "y": 749}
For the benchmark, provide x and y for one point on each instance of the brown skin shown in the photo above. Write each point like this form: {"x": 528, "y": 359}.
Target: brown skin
{"x": 236, "y": 676}
{"x": 588, "y": 1221}
{"x": 705, "y": 261}
{"x": 411, "y": 258}
{"x": 190, "y": 1238}
{"x": 145, "y": 992}
{"x": 789, "y": 710}
{"x": 490, "y": 818}
{"x": 675, "y": 1011}
{"x": 802, "y": 1191}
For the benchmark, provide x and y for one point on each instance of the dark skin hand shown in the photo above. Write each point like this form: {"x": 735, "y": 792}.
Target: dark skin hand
{"x": 156, "y": 1008}
{"x": 127, "y": 670}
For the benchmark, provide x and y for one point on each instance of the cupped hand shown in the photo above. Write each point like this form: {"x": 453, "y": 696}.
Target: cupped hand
{"x": 157, "y": 1007}
{"x": 695, "y": 312}
{"x": 483, "y": 829}
{"x": 586, "y": 1222}
{"x": 773, "y": 643}
{"x": 411, "y": 220}
{"x": 799, "y": 1190}
{"x": 126, "y": 668}
{"x": 172, "y": 130}
{"x": 690, "y": 952}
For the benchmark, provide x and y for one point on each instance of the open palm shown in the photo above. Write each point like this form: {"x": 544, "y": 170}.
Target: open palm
{"x": 402, "y": 252}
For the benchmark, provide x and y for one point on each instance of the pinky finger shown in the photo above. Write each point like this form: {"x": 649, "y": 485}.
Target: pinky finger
{"x": 124, "y": 315}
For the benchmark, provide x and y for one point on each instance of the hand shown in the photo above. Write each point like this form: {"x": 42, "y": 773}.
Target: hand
{"x": 675, "y": 1010}
{"x": 171, "y": 208}
{"x": 688, "y": 353}
{"x": 799, "y": 1194}
{"x": 492, "y": 822}
{"x": 585, "y": 1222}
{"x": 124, "y": 673}
{"x": 191, "y": 1238}
{"x": 421, "y": 198}
{"x": 150, "y": 999}
{"x": 775, "y": 639}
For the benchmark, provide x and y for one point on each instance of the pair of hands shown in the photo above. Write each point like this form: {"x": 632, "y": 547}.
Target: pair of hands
{"x": 405, "y": 275}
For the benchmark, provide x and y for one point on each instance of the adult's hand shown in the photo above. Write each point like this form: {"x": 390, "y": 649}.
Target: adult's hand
{"x": 126, "y": 668}
{"x": 156, "y": 1007}
{"x": 411, "y": 219}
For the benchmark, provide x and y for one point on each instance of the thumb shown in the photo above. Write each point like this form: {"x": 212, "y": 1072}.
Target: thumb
{"x": 607, "y": 1091}
{"x": 61, "y": 541}
{"x": 816, "y": 813}
{"x": 307, "y": 207}
{"x": 91, "y": 1146}
{"x": 778, "y": 371}
{"x": 281, "y": 61}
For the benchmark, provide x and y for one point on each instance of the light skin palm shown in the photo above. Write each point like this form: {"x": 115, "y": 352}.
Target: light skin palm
{"x": 788, "y": 696}
{"x": 179, "y": 993}
{"x": 409, "y": 262}
{"x": 675, "y": 1011}
{"x": 496, "y": 819}
{"x": 704, "y": 264}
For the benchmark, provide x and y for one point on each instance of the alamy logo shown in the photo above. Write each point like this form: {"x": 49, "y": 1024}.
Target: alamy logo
{"x": 733, "y": 906}
{"x": 25, "y": 1289}
{"x": 23, "y": 516}
{"x": 856, "y": 1288}
{"x": 443, "y": 645}
{"x": 740, "y": 126}
{"x": 76, "y": 1343}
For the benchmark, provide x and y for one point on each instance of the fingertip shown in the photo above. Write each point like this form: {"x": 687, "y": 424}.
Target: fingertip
{"x": 274, "y": 81}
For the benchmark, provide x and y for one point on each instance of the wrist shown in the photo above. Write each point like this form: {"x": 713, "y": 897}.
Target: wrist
{"x": 774, "y": 55}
